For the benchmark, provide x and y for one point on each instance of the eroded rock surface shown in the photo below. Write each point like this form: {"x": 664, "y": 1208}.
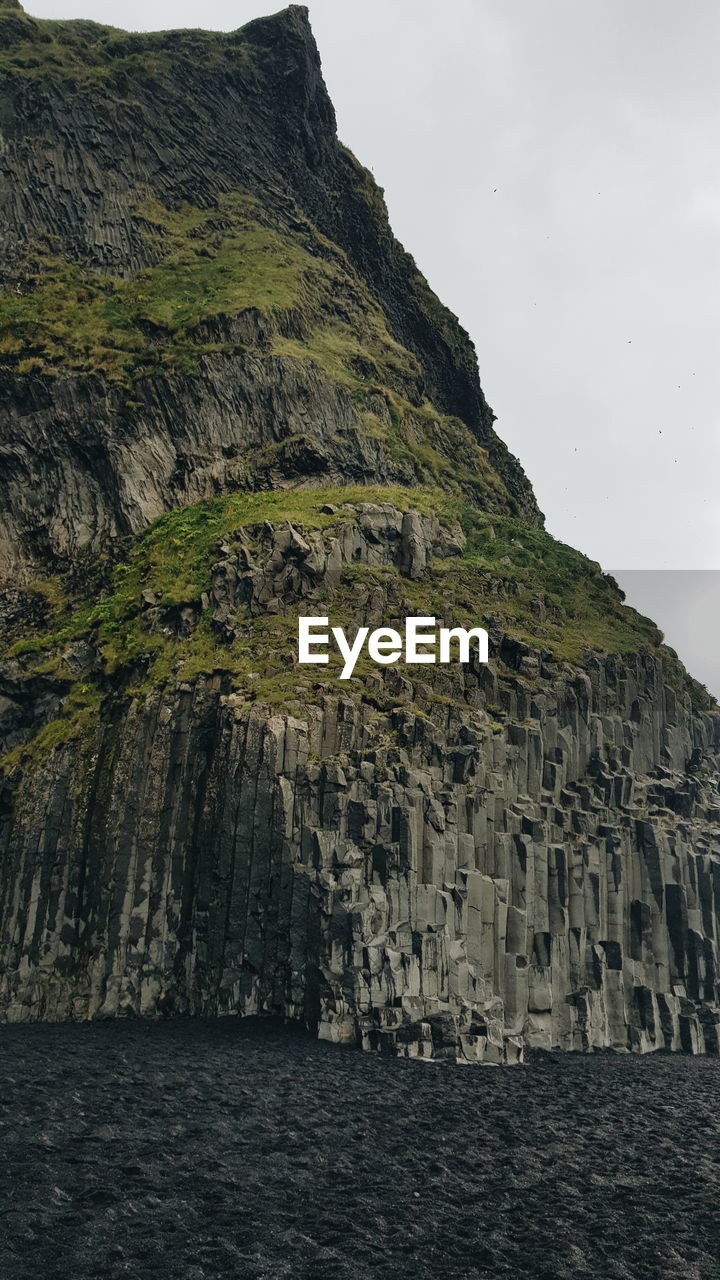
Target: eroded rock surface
{"x": 517, "y": 854}
{"x": 112, "y": 127}
{"x": 202, "y": 305}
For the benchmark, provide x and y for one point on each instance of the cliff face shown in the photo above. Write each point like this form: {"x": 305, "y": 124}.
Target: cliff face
{"x": 206, "y": 315}
{"x": 155, "y": 191}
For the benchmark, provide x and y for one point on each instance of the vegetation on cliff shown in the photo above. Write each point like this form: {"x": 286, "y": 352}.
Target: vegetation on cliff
{"x": 540, "y": 592}
{"x": 205, "y": 313}
{"x": 79, "y": 51}
{"x": 243, "y": 276}
{"x": 212, "y": 264}
{"x": 236, "y": 197}
{"x": 215, "y": 266}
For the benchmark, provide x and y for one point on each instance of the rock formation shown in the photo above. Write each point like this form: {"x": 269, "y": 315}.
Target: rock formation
{"x": 230, "y": 398}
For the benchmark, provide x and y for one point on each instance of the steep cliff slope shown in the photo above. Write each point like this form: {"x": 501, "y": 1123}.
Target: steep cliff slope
{"x": 181, "y": 229}
{"x": 229, "y": 398}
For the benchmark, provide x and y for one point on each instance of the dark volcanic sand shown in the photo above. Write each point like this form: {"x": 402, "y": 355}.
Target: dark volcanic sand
{"x": 210, "y": 1149}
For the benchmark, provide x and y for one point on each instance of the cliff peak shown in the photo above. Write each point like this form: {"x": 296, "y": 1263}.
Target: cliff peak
{"x": 286, "y": 34}
{"x": 295, "y": 17}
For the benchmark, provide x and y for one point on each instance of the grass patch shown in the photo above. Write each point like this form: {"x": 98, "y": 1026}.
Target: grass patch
{"x": 92, "y": 53}
{"x": 215, "y": 264}
{"x": 543, "y": 592}
{"x": 219, "y": 262}
{"x": 80, "y": 715}
{"x": 174, "y": 558}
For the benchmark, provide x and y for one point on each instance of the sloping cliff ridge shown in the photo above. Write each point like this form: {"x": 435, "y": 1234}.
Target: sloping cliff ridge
{"x": 229, "y": 397}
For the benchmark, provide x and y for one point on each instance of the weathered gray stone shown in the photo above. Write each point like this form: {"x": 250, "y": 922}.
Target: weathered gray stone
{"x": 208, "y": 854}
{"x": 526, "y": 853}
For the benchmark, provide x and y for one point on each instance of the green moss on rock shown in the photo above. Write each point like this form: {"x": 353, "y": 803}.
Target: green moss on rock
{"x": 83, "y": 52}
{"x": 62, "y": 317}
{"x": 540, "y": 591}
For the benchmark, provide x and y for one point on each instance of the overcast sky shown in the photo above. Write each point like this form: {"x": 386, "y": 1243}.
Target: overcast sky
{"x": 553, "y": 167}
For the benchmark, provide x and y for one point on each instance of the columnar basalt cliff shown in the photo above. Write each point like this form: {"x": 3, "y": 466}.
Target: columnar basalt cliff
{"x": 230, "y": 398}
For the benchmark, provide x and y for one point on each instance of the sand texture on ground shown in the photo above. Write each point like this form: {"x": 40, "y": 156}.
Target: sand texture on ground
{"x": 191, "y": 1150}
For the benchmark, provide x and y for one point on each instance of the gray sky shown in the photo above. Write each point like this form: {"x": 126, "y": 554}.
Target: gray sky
{"x": 553, "y": 167}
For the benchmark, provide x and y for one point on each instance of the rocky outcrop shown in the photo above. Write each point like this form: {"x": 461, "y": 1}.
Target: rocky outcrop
{"x": 98, "y": 124}
{"x": 518, "y": 854}
{"x": 205, "y": 320}
{"x": 82, "y": 468}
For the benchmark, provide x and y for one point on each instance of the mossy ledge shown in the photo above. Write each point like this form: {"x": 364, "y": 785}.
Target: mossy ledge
{"x": 212, "y": 264}
{"x": 238, "y": 283}
{"x": 156, "y": 626}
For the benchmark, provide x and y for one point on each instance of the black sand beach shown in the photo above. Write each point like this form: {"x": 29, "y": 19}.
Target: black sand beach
{"x": 190, "y": 1150}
